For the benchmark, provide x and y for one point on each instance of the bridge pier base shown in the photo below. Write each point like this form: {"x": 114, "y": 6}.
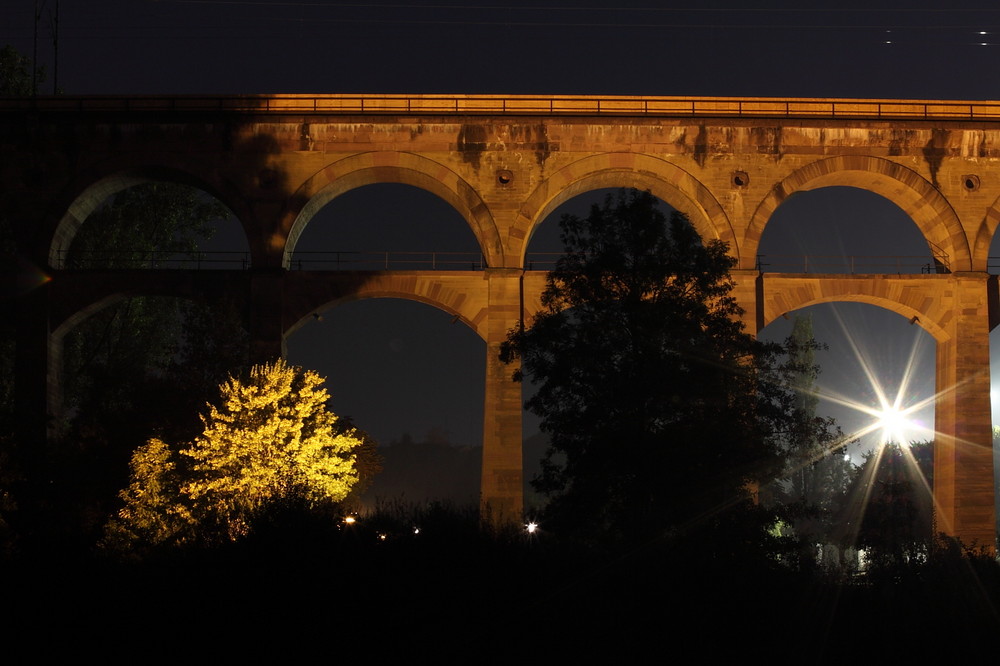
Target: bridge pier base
{"x": 502, "y": 489}
{"x": 963, "y": 446}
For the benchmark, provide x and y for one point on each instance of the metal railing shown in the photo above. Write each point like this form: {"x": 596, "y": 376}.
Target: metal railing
{"x": 473, "y": 261}
{"x": 849, "y": 264}
{"x": 153, "y": 259}
{"x": 541, "y": 261}
{"x": 553, "y": 105}
{"x": 387, "y": 260}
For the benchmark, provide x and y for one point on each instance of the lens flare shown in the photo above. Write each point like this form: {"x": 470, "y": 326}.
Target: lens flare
{"x": 893, "y": 417}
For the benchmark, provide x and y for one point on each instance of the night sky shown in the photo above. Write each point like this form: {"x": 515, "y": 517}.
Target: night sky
{"x": 399, "y": 367}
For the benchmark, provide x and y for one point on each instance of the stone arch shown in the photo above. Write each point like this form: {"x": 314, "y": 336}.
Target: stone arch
{"x": 454, "y": 300}
{"x": 984, "y": 237}
{"x": 798, "y": 298}
{"x": 917, "y": 197}
{"x": 389, "y": 167}
{"x": 67, "y": 316}
{"x": 663, "y": 179}
{"x": 97, "y": 187}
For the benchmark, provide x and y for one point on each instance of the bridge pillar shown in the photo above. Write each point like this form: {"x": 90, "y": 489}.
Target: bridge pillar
{"x": 36, "y": 379}
{"x": 264, "y": 319}
{"x": 963, "y": 456}
{"x": 502, "y": 487}
{"x": 748, "y": 292}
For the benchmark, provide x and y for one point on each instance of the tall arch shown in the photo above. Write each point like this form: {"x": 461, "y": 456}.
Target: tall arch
{"x": 97, "y": 187}
{"x": 391, "y": 167}
{"x": 984, "y": 236}
{"x": 917, "y": 197}
{"x": 664, "y": 180}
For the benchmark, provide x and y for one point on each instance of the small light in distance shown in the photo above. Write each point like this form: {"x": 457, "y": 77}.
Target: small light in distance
{"x": 382, "y": 536}
{"x": 531, "y": 528}
{"x": 416, "y": 530}
{"x": 350, "y": 520}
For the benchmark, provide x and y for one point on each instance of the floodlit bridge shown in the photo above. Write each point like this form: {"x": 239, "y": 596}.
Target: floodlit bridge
{"x": 504, "y": 163}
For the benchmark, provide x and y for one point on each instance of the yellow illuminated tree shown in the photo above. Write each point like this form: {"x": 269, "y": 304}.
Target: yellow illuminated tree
{"x": 268, "y": 439}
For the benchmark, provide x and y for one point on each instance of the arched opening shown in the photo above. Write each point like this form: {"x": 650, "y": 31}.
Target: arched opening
{"x": 993, "y": 266}
{"x": 871, "y": 354}
{"x": 923, "y": 203}
{"x": 843, "y": 230}
{"x": 127, "y": 370}
{"x": 387, "y": 226}
{"x": 872, "y": 488}
{"x": 616, "y": 170}
{"x": 135, "y": 222}
{"x": 413, "y": 377}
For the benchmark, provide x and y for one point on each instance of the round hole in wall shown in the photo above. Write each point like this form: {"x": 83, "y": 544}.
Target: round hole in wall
{"x": 970, "y": 182}
{"x": 504, "y": 176}
{"x": 740, "y": 179}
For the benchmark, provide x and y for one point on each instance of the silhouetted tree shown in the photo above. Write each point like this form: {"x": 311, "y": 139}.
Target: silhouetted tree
{"x": 368, "y": 461}
{"x": 819, "y": 475}
{"x": 143, "y": 366}
{"x": 16, "y": 73}
{"x": 663, "y": 413}
{"x": 897, "y": 507}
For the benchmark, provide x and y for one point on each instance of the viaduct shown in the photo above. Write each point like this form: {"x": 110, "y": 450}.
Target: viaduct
{"x": 504, "y": 163}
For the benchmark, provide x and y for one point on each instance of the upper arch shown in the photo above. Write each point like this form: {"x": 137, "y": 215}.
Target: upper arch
{"x": 917, "y": 197}
{"x": 390, "y": 167}
{"x": 95, "y": 188}
{"x": 664, "y": 180}
{"x": 984, "y": 236}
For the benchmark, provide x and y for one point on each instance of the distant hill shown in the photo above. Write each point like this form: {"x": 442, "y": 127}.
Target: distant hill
{"x": 433, "y": 469}
{"x": 436, "y": 469}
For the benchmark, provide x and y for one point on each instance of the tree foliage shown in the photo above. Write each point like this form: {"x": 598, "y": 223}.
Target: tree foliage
{"x": 894, "y": 499}
{"x": 662, "y": 412}
{"x": 143, "y": 365}
{"x": 16, "y": 73}
{"x": 268, "y": 439}
{"x": 818, "y": 477}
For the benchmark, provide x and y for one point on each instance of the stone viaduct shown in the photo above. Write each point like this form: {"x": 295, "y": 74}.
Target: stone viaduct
{"x": 504, "y": 163}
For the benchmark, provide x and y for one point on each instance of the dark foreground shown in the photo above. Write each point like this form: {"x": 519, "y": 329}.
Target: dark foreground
{"x": 452, "y": 594}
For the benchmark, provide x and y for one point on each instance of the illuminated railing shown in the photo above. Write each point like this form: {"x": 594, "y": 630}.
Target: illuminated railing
{"x": 848, "y": 264}
{"x": 552, "y": 105}
{"x": 473, "y": 261}
{"x": 385, "y": 261}
{"x": 153, "y": 259}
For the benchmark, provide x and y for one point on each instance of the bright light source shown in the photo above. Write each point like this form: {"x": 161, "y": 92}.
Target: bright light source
{"x": 531, "y": 527}
{"x": 350, "y": 520}
{"x": 416, "y": 530}
{"x": 894, "y": 425}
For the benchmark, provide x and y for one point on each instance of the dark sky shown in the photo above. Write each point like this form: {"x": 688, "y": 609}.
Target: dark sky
{"x": 403, "y": 367}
